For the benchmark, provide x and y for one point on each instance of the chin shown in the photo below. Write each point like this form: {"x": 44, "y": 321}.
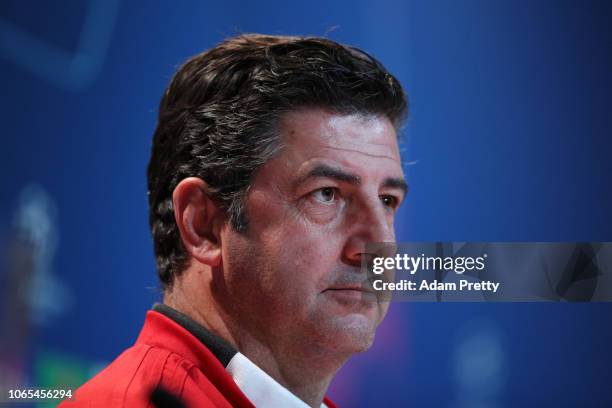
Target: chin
{"x": 352, "y": 333}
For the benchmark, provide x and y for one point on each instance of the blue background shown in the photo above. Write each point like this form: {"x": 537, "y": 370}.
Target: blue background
{"x": 508, "y": 140}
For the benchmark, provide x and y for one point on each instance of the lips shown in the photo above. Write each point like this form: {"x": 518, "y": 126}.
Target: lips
{"x": 359, "y": 288}
{"x": 351, "y": 295}
{"x": 354, "y": 290}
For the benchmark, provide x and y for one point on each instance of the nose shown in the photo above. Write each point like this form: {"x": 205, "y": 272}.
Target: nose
{"x": 367, "y": 225}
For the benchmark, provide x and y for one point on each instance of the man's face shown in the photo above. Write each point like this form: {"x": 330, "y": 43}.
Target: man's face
{"x": 294, "y": 278}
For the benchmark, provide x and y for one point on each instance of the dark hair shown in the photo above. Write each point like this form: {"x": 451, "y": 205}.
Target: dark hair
{"x": 217, "y": 119}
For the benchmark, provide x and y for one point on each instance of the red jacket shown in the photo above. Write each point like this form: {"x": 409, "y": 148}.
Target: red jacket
{"x": 165, "y": 355}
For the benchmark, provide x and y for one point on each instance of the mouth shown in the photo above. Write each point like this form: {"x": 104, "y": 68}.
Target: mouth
{"x": 352, "y": 293}
{"x": 358, "y": 285}
{"x": 356, "y": 288}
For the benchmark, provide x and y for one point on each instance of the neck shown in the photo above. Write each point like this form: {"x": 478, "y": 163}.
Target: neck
{"x": 303, "y": 372}
{"x": 302, "y": 368}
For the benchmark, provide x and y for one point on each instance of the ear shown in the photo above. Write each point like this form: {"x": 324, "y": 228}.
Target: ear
{"x": 199, "y": 220}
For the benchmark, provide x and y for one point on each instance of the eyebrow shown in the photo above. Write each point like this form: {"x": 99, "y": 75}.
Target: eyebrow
{"x": 324, "y": 171}
{"x": 399, "y": 183}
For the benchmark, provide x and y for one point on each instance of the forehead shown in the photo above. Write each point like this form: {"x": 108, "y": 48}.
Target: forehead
{"x": 316, "y": 132}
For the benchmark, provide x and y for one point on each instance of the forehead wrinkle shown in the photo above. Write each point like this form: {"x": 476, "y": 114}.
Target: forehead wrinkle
{"x": 380, "y": 156}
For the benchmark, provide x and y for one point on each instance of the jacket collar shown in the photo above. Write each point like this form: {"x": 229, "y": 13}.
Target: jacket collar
{"x": 161, "y": 331}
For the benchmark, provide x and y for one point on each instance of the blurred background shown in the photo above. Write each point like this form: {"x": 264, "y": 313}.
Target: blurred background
{"x": 509, "y": 140}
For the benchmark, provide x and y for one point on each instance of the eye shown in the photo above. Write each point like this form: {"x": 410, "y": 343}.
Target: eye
{"x": 326, "y": 195}
{"x": 389, "y": 201}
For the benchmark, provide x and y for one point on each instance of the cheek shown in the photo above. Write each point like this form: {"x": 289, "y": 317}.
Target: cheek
{"x": 300, "y": 269}
{"x": 319, "y": 259}
{"x": 283, "y": 253}
{"x": 298, "y": 249}
{"x": 266, "y": 265}
{"x": 303, "y": 263}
